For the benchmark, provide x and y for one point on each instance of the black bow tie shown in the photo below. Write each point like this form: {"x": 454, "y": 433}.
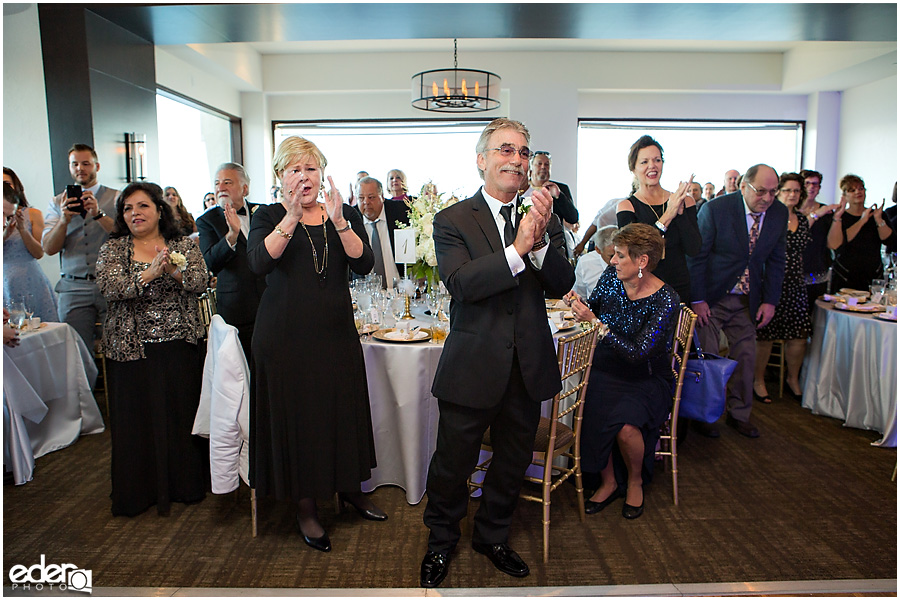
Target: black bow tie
{"x": 242, "y": 210}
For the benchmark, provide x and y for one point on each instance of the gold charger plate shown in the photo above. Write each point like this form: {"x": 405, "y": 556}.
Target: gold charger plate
{"x": 863, "y": 308}
{"x": 423, "y": 335}
{"x": 566, "y": 326}
{"x": 852, "y": 292}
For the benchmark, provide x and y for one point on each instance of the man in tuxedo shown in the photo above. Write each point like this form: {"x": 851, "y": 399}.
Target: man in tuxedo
{"x": 563, "y": 205}
{"x": 223, "y": 241}
{"x": 499, "y": 360}
{"x": 76, "y": 227}
{"x": 380, "y": 219}
{"x": 736, "y": 281}
{"x": 709, "y": 191}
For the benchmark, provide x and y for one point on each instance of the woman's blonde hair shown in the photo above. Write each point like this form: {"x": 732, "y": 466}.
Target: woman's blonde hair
{"x": 402, "y": 179}
{"x": 293, "y": 149}
{"x": 641, "y": 239}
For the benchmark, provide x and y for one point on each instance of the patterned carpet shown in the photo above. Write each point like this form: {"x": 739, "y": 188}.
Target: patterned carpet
{"x": 809, "y": 500}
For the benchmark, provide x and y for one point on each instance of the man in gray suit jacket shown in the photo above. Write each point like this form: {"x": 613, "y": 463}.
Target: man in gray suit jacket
{"x": 499, "y": 361}
{"x": 76, "y": 227}
{"x": 736, "y": 290}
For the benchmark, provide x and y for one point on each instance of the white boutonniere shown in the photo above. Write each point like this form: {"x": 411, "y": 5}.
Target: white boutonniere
{"x": 525, "y": 205}
{"x": 178, "y": 259}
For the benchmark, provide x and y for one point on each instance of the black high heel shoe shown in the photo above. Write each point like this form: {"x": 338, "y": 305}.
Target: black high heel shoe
{"x": 321, "y": 543}
{"x": 372, "y": 514}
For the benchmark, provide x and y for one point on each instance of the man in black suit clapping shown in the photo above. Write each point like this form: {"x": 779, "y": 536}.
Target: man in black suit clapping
{"x": 499, "y": 360}
{"x": 223, "y": 241}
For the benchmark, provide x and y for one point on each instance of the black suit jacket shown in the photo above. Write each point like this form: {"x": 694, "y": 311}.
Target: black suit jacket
{"x": 393, "y": 212}
{"x": 725, "y": 252}
{"x": 564, "y": 206}
{"x": 493, "y": 313}
{"x": 238, "y": 290}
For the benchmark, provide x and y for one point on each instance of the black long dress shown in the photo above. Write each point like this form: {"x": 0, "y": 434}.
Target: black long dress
{"x": 857, "y": 262}
{"x": 631, "y": 375}
{"x": 311, "y": 424}
{"x": 682, "y": 240}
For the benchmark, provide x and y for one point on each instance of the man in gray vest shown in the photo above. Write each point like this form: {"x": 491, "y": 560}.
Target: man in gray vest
{"x": 75, "y": 226}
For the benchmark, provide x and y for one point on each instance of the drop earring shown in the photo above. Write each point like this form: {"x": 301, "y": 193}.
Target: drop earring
{"x": 640, "y": 272}
{"x": 322, "y": 191}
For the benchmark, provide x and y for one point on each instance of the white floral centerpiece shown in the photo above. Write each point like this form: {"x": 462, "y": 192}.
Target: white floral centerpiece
{"x": 421, "y": 220}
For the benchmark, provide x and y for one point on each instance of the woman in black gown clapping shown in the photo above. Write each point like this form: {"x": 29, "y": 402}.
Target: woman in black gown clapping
{"x": 629, "y": 394}
{"x": 673, "y": 213}
{"x": 312, "y": 428}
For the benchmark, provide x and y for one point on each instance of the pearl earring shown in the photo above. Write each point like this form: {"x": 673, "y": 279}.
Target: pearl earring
{"x": 640, "y": 272}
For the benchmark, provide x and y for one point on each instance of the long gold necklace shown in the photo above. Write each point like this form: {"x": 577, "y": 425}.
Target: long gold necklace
{"x": 320, "y": 270}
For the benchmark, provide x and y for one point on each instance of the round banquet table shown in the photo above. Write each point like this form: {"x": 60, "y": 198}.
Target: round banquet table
{"x": 47, "y": 395}
{"x": 850, "y": 371}
{"x": 404, "y": 413}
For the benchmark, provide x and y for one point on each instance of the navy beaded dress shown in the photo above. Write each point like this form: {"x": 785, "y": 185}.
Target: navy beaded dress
{"x": 631, "y": 376}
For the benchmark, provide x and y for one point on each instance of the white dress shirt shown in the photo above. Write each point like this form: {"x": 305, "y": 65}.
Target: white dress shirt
{"x": 516, "y": 264}
{"x": 387, "y": 253}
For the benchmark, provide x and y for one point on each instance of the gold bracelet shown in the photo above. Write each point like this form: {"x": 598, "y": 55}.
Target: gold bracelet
{"x": 283, "y": 233}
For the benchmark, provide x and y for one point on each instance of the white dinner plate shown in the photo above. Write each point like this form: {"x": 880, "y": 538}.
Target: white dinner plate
{"x": 886, "y": 317}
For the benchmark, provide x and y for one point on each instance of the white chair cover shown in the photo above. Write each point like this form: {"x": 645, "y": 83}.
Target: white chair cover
{"x": 224, "y": 412}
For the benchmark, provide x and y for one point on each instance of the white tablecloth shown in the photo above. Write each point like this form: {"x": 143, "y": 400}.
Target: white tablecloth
{"x": 850, "y": 371}
{"x": 404, "y": 413}
{"x": 54, "y": 365}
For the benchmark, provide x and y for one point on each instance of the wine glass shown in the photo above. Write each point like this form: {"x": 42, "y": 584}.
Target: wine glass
{"x": 29, "y": 307}
{"x": 398, "y": 306}
{"x": 16, "y": 314}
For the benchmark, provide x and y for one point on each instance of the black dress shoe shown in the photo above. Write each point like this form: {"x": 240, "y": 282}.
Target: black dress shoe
{"x": 372, "y": 514}
{"x": 503, "y": 557}
{"x": 591, "y": 507}
{"x": 632, "y": 512}
{"x": 321, "y": 543}
{"x": 434, "y": 569}
{"x": 706, "y": 429}
{"x": 743, "y": 427}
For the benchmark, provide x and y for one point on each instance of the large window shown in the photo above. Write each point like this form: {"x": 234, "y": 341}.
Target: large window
{"x": 704, "y": 149}
{"x": 440, "y": 151}
{"x": 193, "y": 141}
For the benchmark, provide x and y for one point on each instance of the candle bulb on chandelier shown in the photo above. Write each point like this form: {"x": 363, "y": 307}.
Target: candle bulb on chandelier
{"x": 446, "y": 89}
{"x": 465, "y": 90}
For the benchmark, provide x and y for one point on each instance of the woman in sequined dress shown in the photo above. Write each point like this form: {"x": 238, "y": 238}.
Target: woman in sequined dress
{"x": 630, "y": 393}
{"x": 154, "y": 366}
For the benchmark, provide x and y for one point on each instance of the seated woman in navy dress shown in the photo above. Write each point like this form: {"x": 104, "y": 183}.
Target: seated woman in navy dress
{"x": 630, "y": 390}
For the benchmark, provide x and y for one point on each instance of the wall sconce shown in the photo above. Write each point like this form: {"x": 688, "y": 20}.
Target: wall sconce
{"x": 135, "y": 157}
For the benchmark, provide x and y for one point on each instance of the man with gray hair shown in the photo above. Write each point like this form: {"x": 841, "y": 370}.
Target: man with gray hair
{"x": 498, "y": 260}
{"x": 223, "y": 241}
{"x": 591, "y": 265}
{"x": 380, "y": 219}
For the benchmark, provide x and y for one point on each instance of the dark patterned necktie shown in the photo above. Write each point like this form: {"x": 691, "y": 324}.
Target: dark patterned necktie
{"x": 754, "y": 235}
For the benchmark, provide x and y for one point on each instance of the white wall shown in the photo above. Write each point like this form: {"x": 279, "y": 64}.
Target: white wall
{"x": 26, "y": 135}
{"x": 548, "y": 91}
{"x": 868, "y": 137}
